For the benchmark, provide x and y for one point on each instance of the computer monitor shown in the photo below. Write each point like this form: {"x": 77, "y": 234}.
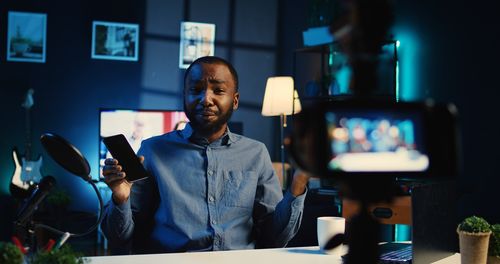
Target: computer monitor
{"x": 136, "y": 125}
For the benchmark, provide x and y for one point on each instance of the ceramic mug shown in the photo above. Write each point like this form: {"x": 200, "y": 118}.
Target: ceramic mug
{"x": 328, "y": 227}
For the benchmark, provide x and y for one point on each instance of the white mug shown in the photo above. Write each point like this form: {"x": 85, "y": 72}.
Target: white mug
{"x": 328, "y": 227}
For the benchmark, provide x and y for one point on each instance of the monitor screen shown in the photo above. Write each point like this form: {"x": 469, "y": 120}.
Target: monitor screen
{"x": 376, "y": 141}
{"x": 136, "y": 125}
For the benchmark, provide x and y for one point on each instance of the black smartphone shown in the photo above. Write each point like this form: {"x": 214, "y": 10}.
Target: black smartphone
{"x": 121, "y": 150}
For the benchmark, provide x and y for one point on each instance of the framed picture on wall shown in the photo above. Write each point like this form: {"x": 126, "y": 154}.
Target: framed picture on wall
{"x": 115, "y": 41}
{"x": 26, "y": 37}
{"x": 197, "y": 40}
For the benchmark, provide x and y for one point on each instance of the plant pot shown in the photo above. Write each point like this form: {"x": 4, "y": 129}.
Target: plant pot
{"x": 474, "y": 247}
{"x": 493, "y": 260}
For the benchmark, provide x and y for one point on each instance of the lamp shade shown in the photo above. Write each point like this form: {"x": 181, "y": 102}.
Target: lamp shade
{"x": 279, "y": 97}
{"x": 297, "y": 107}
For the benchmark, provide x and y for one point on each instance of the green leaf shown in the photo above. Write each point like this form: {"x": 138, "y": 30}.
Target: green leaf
{"x": 494, "y": 247}
{"x": 63, "y": 255}
{"x": 10, "y": 254}
{"x": 474, "y": 224}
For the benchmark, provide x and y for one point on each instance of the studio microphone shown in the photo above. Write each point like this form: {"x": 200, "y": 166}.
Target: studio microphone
{"x": 37, "y": 196}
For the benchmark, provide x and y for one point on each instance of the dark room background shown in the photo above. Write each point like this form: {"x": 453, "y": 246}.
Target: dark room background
{"x": 70, "y": 87}
{"x": 449, "y": 52}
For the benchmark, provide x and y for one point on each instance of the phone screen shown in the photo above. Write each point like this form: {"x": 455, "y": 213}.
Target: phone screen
{"x": 121, "y": 150}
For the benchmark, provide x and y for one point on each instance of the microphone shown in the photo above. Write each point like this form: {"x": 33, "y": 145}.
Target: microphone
{"x": 37, "y": 196}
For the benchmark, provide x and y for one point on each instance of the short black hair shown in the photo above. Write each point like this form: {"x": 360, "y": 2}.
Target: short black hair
{"x": 214, "y": 60}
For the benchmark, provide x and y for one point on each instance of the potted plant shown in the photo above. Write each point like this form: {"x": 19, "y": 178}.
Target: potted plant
{"x": 494, "y": 247}
{"x": 10, "y": 254}
{"x": 58, "y": 202}
{"x": 474, "y": 234}
{"x": 63, "y": 255}
{"x": 59, "y": 198}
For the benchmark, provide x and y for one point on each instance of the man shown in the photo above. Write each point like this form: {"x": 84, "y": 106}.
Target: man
{"x": 209, "y": 189}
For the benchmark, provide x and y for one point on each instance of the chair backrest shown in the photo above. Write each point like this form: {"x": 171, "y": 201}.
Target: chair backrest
{"x": 397, "y": 212}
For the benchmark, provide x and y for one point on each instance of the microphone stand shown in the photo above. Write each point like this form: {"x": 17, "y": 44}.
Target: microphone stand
{"x": 24, "y": 220}
{"x": 71, "y": 159}
{"x": 30, "y": 228}
{"x": 66, "y": 235}
{"x": 26, "y": 233}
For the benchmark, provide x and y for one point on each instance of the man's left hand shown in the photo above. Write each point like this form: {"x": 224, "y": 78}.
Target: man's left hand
{"x": 299, "y": 183}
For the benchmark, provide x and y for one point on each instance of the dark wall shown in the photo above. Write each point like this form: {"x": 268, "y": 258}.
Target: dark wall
{"x": 70, "y": 87}
{"x": 449, "y": 52}
{"x": 458, "y": 63}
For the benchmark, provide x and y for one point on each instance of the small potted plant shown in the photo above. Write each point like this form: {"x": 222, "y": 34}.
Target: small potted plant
{"x": 58, "y": 202}
{"x": 474, "y": 234}
{"x": 494, "y": 247}
{"x": 10, "y": 254}
{"x": 59, "y": 198}
{"x": 63, "y": 255}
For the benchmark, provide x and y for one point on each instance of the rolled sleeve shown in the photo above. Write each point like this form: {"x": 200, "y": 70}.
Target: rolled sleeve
{"x": 288, "y": 216}
{"x": 117, "y": 225}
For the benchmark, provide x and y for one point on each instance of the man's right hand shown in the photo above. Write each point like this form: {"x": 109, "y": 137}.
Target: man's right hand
{"x": 114, "y": 177}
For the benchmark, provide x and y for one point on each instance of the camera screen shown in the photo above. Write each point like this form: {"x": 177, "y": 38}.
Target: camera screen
{"x": 376, "y": 141}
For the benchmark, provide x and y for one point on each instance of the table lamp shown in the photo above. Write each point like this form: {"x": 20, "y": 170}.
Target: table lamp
{"x": 281, "y": 99}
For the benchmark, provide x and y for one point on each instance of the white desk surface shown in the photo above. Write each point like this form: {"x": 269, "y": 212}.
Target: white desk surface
{"x": 302, "y": 255}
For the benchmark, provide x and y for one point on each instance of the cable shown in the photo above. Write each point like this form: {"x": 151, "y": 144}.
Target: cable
{"x": 99, "y": 220}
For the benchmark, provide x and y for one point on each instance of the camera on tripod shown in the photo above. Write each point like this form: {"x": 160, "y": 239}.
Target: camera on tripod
{"x": 357, "y": 139}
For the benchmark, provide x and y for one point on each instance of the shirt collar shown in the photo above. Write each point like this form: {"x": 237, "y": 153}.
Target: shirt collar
{"x": 226, "y": 139}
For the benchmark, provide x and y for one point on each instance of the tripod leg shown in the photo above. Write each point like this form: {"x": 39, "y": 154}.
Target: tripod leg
{"x": 362, "y": 237}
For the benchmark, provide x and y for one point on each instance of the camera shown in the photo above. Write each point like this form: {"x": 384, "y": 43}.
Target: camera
{"x": 361, "y": 140}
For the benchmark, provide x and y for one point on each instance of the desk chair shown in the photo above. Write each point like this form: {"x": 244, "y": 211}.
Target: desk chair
{"x": 397, "y": 212}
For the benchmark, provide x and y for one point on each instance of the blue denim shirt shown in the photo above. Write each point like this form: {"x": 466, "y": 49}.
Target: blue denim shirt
{"x": 200, "y": 196}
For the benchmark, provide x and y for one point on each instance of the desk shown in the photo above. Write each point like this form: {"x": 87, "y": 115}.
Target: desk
{"x": 302, "y": 255}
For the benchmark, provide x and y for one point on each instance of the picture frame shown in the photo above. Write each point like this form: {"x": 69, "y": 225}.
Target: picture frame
{"x": 115, "y": 41}
{"x": 26, "y": 37}
{"x": 197, "y": 40}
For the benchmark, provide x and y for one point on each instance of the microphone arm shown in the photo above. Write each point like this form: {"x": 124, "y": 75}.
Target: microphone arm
{"x": 92, "y": 228}
{"x": 37, "y": 196}
{"x": 71, "y": 159}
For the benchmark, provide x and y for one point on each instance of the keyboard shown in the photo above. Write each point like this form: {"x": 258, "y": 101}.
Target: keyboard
{"x": 395, "y": 253}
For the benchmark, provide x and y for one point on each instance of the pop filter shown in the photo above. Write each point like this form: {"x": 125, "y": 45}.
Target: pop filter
{"x": 71, "y": 159}
{"x": 66, "y": 155}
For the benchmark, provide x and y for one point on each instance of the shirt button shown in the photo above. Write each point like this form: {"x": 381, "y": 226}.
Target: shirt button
{"x": 210, "y": 173}
{"x": 211, "y": 198}
{"x": 214, "y": 222}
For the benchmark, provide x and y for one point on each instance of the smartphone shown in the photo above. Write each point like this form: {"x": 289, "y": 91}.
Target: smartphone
{"x": 121, "y": 150}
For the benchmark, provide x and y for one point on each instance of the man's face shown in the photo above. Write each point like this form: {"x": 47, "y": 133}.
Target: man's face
{"x": 210, "y": 97}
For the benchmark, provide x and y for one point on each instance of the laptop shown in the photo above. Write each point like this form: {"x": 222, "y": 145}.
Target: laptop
{"x": 434, "y": 220}
{"x": 395, "y": 253}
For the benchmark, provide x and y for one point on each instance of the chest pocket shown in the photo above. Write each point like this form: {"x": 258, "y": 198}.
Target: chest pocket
{"x": 240, "y": 188}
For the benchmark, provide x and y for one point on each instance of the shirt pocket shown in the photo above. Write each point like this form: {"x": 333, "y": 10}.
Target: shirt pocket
{"x": 240, "y": 188}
